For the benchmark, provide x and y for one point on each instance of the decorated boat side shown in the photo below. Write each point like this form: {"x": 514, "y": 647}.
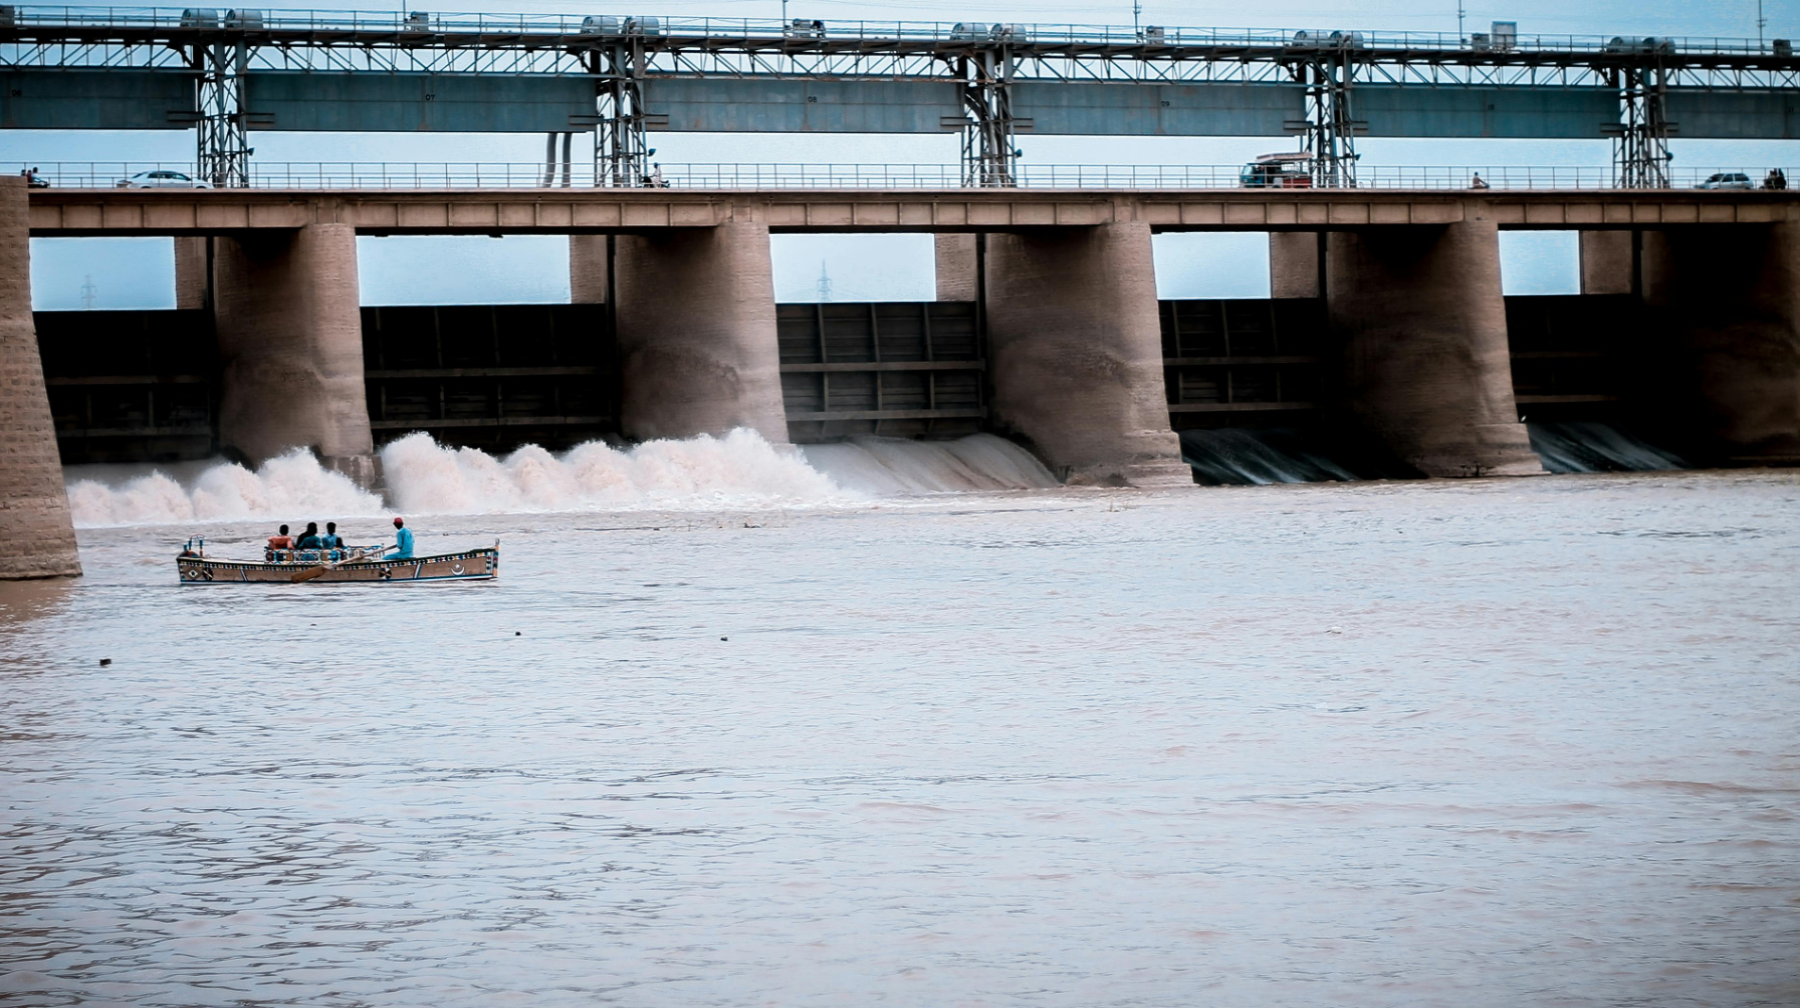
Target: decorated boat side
{"x": 351, "y": 565}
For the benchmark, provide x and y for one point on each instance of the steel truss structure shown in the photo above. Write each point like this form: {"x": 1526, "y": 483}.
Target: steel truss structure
{"x": 986, "y": 62}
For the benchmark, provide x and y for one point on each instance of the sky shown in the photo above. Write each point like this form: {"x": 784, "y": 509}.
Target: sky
{"x": 138, "y": 273}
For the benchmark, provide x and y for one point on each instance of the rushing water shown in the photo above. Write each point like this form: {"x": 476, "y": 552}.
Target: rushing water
{"x": 423, "y": 477}
{"x": 1256, "y": 456}
{"x": 1482, "y": 743}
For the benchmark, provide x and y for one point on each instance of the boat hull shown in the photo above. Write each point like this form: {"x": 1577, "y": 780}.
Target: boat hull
{"x": 469, "y": 565}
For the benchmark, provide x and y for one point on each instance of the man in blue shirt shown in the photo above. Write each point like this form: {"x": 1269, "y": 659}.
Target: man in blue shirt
{"x": 403, "y": 541}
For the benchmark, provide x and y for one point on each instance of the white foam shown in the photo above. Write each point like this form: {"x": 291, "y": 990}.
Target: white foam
{"x": 737, "y": 471}
{"x": 286, "y": 488}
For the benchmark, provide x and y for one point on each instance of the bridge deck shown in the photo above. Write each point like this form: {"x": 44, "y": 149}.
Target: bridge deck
{"x": 76, "y": 213}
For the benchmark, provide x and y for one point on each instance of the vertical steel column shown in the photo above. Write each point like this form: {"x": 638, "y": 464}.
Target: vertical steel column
{"x": 621, "y": 148}
{"x": 1641, "y": 148}
{"x": 988, "y": 152}
{"x": 1330, "y": 126}
{"x": 223, "y": 141}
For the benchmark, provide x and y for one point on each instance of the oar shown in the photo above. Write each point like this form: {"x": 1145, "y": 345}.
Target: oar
{"x": 313, "y": 572}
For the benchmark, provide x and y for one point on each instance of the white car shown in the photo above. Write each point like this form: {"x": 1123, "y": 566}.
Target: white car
{"x": 1728, "y": 180}
{"x": 163, "y": 179}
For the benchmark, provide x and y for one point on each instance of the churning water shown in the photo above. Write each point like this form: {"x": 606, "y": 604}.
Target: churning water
{"x": 738, "y": 470}
{"x": 1487, "y": 743}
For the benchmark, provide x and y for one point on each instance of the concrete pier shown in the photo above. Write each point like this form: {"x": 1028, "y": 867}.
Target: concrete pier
{"x": 191, "y": 279}
{"x": 956, "y": 267}
{"x": 587, "y": 269}
{"x": 1728, "y": 301}
{"x": 697, "y": 337}
{"x": 1426, "y": 363}
{"x": 1075, "y": 349}
{"x": 290, "y": 342}
{"x": 1294, "y": 264}
{"x": 37, "y": 538}
{"x": 1606, "y": 262}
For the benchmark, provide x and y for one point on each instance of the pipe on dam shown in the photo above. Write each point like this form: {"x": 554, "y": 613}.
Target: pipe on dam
{"x": 290, "y": 344}
{"x": 1076, "y": 353}
{"x": 37, "y": 538}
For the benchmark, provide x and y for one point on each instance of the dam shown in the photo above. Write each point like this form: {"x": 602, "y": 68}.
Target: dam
{"x": 1388, "y": 316}
{"x": 1387, "y": 319}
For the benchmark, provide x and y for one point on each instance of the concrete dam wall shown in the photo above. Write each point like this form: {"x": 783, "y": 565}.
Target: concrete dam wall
{"x": 1390, "y": 322}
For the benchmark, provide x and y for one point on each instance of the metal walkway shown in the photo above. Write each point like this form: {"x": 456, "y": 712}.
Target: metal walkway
{"x": 232, "y": 72}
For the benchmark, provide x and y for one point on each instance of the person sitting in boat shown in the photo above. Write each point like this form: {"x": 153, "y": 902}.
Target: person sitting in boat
{"x": 279, "y": 543}
{"x": 403, "y": 541}
{"x": 309, "y": 541}
{"x": 332, "y": 541}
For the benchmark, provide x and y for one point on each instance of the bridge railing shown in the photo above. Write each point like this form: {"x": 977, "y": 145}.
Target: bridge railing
{"x": 526, "y": 175}
{"x": 423, "y": 23}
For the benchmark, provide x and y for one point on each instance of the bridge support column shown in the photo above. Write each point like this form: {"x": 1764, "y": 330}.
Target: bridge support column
{"x": 956, "y": 267}
{"x": 587, "y": 269}
{"x": 1728, "y": 299}
{"x": 697, "y": 344}
{"x": 37, "y": 538}
{"x": 1294, "y": 264}
{"x": 1075, "y": 349}
{"x": 1426, "y": 363}
{"x": 190, "y": 273}
{"x": 1606, "y": 262}
{"x": 290, "y": 341}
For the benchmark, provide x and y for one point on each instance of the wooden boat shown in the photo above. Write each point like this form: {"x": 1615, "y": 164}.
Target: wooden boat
{"x": 363, "y": 565}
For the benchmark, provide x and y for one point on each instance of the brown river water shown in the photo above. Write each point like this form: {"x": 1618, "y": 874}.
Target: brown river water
{"x": 1503, "y": 742}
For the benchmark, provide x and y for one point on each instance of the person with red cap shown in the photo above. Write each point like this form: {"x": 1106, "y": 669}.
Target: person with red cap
{"x": 403, "y": 541}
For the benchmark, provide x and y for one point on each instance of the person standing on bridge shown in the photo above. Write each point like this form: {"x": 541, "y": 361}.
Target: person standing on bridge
{"x": 403, "y": 541}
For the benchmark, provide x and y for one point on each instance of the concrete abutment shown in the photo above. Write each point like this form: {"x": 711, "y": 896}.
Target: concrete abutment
{"x": 698, "y": 348}
{"x": 1726, "y": 300}
{"x": 290, "y": 346}
{"x": 1294, "y": 264}
{"x": 37, "y": 538}
{"x": 1075, "y": 350}
{"x": 1422, "y": 320}
{"x": 589, "y": 269}
{"x": 956, "y": 263}
{"x": 193, "y": 280}
{"x": 1608, "y": 264}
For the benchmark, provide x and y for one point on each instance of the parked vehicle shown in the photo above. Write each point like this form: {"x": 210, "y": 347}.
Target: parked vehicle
{"x": 1652, "y": 44}
{"x": 1286, "y": 170}
{"x": 1328, "y": 39}
{"x": 162, "y": 178}
{"x": 1728, "y": 180}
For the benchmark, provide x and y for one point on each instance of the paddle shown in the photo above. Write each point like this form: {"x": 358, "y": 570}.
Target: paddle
{"x": 313, "y": 572}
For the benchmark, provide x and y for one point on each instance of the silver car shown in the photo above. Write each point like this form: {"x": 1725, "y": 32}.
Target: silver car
{"x": 1727, "y": 180}
{"x": 163, "y": 178}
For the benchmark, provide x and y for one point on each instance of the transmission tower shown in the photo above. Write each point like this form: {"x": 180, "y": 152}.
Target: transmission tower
{"x": 88, "y": 293}
{"x": 824, "y": 283}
